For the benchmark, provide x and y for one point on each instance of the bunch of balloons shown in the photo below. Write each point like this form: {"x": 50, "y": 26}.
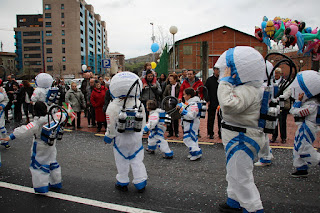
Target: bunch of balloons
{"x": 290, "y": 32}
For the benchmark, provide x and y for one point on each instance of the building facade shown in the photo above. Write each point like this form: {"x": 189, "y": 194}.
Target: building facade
{"x": 7, "y": 64}
{"x": 71, "y": 35}
{"x": 189, "y": 52}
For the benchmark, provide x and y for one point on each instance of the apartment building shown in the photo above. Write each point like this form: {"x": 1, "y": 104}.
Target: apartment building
{"x": 71, "y": 35}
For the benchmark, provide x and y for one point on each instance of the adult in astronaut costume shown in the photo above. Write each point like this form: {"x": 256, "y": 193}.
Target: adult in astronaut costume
{"x": 306, "y": 110}
{"x": 44, "y": 168}
{"x": 239, "y": 94}
{"x": 128, "y": 149}
{"x": 43, "y": 81}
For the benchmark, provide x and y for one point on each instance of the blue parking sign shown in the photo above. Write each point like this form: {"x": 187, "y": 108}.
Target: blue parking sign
{"x": 106, "y": 63}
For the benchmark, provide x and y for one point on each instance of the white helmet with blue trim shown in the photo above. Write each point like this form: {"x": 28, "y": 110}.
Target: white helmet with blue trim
{"x": 122, "y": 82}
{"x": 246, "y": 62}
{"x": 43, "y": 80}
{"x": 306, "y": 82}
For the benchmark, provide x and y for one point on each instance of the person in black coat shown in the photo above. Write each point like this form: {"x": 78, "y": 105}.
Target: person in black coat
{"x": 17, "y": 102}
{"x": 26, "y": 93}
{"x": 63, "y": 89}
{"x": 9, "y": 91}
{"x": 212, "y": 99}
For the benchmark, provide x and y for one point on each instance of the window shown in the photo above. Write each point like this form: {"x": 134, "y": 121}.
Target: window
{"x": 62, "y": 15}
{"x": 90, "y": 38}
{"x": 31, "y": 33}
{"x": 81, "y": 40}
{"x": 62, "y": 32}
{"x": 47, "y": 7}
{"x": 49, "y": 41}
{"x": 63, "y": 41}
{"x": 80, "y": 5}
{"x": 81, "y": 31}
{"x": 22, "y": 20}
{"x": 91, "y": 23}
{"x": 81, "y": 49}
{"x": 91, "y": 31}
{"x": 62, "y": 24}
{"x": 63, "y": 58}
{"x": 48, "y": 24}
{"x": 63, "y": 50}
{"x": 30, "y": 41}
{"x": 31, "y": 48}
{"x": 81, "y": 23}
{"x": 62, "y": 6}
{"x": 32, "y": 55}
{"x": 49, "y": 68}
{"x": 49, "y": 59}
{"x": 32, "y": 63}
{"x": 90, "y": 15}
{"x": 81, "y": 14}
{"x": 99, "y": 50}
{"x": 48, "y": 33}
{"x": 47, "y": 15}
{"x": 99, "y": 43}
{"x": 49, "y": 50}
{"x": 64, "y": 67}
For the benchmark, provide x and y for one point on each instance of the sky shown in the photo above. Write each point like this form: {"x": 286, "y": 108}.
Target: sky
{"x": 128, "y": 21}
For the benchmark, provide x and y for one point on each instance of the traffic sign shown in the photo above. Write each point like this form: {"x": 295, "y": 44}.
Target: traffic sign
{"x": 106, "y": 63}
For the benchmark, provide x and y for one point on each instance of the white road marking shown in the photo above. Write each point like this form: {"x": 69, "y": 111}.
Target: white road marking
{"x": 75, "y": 199}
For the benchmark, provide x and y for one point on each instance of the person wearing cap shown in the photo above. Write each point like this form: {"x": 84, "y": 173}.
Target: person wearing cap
{"x": 212, "y": 100}
{"x": 239, "y": 93}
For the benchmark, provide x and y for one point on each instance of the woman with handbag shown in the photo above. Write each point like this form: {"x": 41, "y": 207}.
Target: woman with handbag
{"x": 76, "y": 99}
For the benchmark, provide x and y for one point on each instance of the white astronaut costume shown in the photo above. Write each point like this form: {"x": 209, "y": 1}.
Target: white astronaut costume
{"x": 265, "y": 154}
{"x": 3, "y": 102}
{"x": 240, "y": 102}
{"x": 43, "y": 81}
{"x": 3, "y": 131}
{"x": 305, "y": 113}
{"x": 191, "y": 122}
{"x": 156, "y": 136}
{"x": 44, "y": 168}
{"x": 128, "y": 148}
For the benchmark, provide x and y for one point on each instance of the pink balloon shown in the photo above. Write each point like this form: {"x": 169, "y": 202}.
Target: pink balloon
{"x": 294, "y": 29}
{"x": 277, "y": 26}
{"x": 314, "y": 31}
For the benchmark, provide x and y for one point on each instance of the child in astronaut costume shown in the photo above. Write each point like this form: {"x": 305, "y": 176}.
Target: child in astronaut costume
{"x": 157, "y": 128}
{"x": 265, "y": 154}
{"x": 3, "y": 131}
{"x": 191, "y": 122}
{"x": 240, "y": 95}
{"x": 45, "y": 170}
{"x": 128, "y": 149}
{"x": 43, "y": 81}
{"x": 306, "y": 111}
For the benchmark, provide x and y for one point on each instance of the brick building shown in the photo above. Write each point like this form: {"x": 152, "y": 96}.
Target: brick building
{"x": 190, "y": 52}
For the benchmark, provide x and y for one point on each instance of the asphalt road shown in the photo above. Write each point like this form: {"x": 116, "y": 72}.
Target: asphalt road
{"x": 176, "y": 185}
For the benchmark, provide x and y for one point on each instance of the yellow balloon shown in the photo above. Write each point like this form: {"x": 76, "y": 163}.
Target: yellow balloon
{"x": 153, "y": 65}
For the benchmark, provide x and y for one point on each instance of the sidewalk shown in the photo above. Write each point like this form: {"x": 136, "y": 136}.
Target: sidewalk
{"x": 291, "y": 129}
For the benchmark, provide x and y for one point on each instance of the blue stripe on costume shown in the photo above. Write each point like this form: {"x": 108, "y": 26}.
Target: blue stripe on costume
{"x": 56, "y": 186}
{"x": 303, "y": 86}
{"x": 195, "y": 153}
{"x": 141, "y": 185}
{"x": 152, "y": 147}
{"x": 233, "y": 203}
{"x": 305, "y": 167}
{"x": 12, "y": 137}
{"x": 129, "y": 157}
{"x": 264, "y": 161}
{"x": 297, "y": 104}
{"x": 231, "y": 64}
{"x": 34, "y": 163}
{"x": 241, "y": 139}
{"x": 169, "y": 154}
{"x": 43, "y": 189}
{"x": 122, "y": 184}
{"x": 54, "y": 166}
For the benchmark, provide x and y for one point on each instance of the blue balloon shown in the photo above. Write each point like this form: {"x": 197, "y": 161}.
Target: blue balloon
{"x": 263, "y": 25}
{"x": 155, "y": 47}
{"x": 300, "y": 41}
{"x": 308, "y": 30}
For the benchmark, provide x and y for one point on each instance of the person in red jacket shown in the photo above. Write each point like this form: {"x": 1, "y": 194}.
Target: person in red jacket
{"x": 97, "y": 101}
{"x": 191, "y": 81}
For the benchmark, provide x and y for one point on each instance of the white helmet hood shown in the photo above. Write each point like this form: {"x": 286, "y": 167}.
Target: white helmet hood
{"x": 43, "y": 80}
{"x": 306, "y": 82}
{"x": 246, "y": 62}
{"x": 122, "y": 82}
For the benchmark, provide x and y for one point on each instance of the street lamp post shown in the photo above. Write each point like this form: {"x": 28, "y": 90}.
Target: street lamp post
{"x": 300, "y": 65}
{"x": 152, "y": 38}
{"x": 173, "y": 30}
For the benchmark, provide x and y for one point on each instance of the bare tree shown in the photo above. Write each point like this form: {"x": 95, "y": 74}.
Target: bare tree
{"x": 163, "y": 37}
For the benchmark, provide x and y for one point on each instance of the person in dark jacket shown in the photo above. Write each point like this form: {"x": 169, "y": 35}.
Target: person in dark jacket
{"x": 63, "y": 89}
{"x": 173, "y": 89}
{"x": 212, "y": 99}
{"x": 9, "y": 91}
{"x": 26, "y": 92}
{"x": 17, "y": 102}
{"x": 84, "y": 87}
{"x": 91, "y": 112}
